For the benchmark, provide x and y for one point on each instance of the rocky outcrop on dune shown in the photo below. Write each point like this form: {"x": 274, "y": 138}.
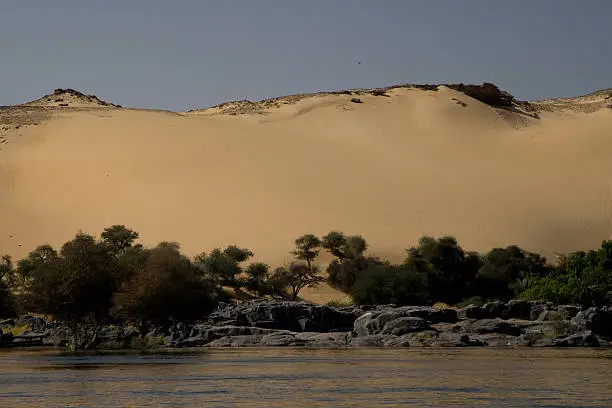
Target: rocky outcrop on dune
{"x": 590, "y": 103}
{"x": 487, "y": 93}
{"x": 35, "y": 112}
{"x": 268, "y": 323}
{"x": 70, "y": 98}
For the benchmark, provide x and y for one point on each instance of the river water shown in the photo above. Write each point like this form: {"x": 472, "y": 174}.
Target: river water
{"x": 311, "y": 378}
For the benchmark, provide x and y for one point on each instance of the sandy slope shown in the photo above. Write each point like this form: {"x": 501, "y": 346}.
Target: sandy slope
{"x": 390, "y": 168}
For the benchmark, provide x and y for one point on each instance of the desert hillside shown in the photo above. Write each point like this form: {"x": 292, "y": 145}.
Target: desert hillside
{"x": 391, "y": 164}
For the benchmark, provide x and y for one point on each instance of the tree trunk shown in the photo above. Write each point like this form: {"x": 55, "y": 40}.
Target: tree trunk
{"x": 75, "y": 336}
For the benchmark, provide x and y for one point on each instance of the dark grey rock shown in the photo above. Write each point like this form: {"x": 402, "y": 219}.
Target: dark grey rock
{"x": 496, "y": 339}
{"x": 519, "y": 309}
{"x": 217, "y": 332}
{"x": 374, "y": 321}
{"x": 568, "y": 311}
{"x": 34, "y": 323}
{"x": 470, "y": 312}
{"x": 293, "y": 316}
{"x": 404, "y": 325}
{"x": 116, "y": 337}
{"x": 280, "y": 339}
{"x": 376, "y": 340}
{"x": 498, "y": 326}
{"x": 538, "y": 311}
{"x": 585, "y": 339}
{"x": 323, "y": 340}
{"x": 396, "y": 341}
{"x": 236, "y": 341}
{"x": 597, "y": 320}
{"x": 494, "y": 310}
{"x": 58, "y": 336}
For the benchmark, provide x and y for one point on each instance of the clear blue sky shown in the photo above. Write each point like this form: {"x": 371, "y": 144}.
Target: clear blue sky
{"x": 182, "y": 54}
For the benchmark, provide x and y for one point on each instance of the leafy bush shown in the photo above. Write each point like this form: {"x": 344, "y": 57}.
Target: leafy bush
{"x": 167, "y": 288}
{"x": 386, "y": 284}
{"x": 343, "y": 275}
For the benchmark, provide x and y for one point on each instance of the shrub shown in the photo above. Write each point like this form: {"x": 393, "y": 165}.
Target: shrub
{"x": 343, "y": 275}
{"x": 386, "y": 284}
{"x": 167, "y": 288}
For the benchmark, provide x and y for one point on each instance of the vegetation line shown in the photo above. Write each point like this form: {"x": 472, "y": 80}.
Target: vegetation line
{"x": 91, "y": 282}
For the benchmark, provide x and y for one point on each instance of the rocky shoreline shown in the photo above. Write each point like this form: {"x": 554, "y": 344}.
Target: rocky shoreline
{"x": 300, "y": 324}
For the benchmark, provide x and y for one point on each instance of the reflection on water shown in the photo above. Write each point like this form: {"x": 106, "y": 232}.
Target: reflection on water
{"x": 311, "y": 378}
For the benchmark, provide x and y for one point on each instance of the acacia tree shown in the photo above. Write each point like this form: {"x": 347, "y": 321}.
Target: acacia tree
{"x": 307, "y": 248}
{"x": 223, "y": 266}
{"x": 75, "y": 287}
{"x": 293, "y": 278}
{"x": 258, "y": 276}
{"x": 119, "y": 238}
{"x": 344, "y": 247}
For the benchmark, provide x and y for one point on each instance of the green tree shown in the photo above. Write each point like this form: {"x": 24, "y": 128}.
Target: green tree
{"x": 224, "y": 266}
{"x": 293, "y": 278}
{"x": 580, "y": 277}
{"x": 390, "y": 284}
{"x": 41, "y": 255}
{"x": 7, "y": 277}
{"x": 449, "y": 269}
{"x": 76, "y": 287}
{"x": 335, "y": 243}
{"x": 258, "y": 276}
{"x": 165, "y": 288}
{"x": 119, "y": 238}
{"x": 7, "y": 269}
{"x": 504, "y": 269}
{"x": 343, "y": 275}
{"x": 307, "y": 248}
{"x": 343, "y": 247}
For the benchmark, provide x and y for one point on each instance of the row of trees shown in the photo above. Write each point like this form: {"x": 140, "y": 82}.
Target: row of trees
{"x": 439, "y": 270}
{"x": 92, "y": 281}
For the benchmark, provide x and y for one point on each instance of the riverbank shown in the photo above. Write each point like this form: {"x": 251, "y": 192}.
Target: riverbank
{"x": 300, "y": 324}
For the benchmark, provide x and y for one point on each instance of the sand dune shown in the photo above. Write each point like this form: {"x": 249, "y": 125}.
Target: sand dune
{"x": 391, "y": 168}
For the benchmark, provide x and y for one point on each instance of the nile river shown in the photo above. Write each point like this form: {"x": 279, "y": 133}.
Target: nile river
{"x": 311, "y": 378}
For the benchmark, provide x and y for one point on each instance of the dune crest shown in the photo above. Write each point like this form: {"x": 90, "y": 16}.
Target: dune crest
{"x": 391, "y": 164}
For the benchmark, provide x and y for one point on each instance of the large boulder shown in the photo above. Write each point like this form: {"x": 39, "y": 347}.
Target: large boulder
{"x": 323, "y": 340}
{"x": 293, "y": 316}
{"x": 519, "y": 309}
{"x": 568, "y": 311}
{"x": 485, "y": 326}
{"x": 597, "y": 320}
{"x": 491, "y": 310}
{"x": 539, "y": 311}
{"x": 382, "y": 321}
{"x": 115, "y": 337}
{"x": 584, "y": 339}
{"x": 236, "y": 341}
{"x": 58, "y": 336}
{"x": 487, "y": 93}
{"x": 33, "y": 323}
{"x": 404, "y": 325}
